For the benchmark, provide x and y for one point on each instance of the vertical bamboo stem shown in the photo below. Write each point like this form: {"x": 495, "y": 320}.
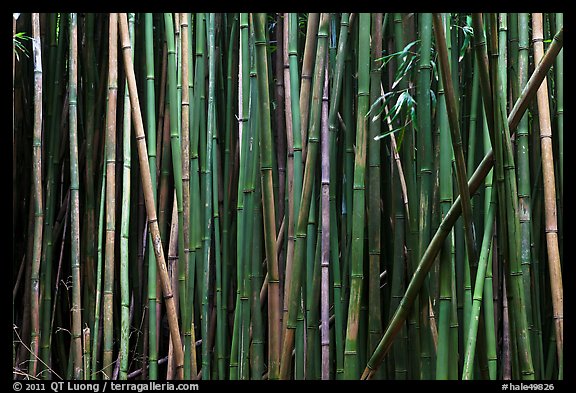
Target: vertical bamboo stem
{"x": 551, "y": 223}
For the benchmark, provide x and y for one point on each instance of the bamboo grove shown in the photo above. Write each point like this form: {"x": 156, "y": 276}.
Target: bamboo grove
{"x": 232, "y": 196}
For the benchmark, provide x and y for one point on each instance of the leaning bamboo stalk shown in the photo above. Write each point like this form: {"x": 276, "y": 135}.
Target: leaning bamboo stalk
{"x": 110, "y": 195}
{"x": 268, "y": 197}
{"x": 149, "y": 196}
{"x": 455, "y": 210}
{"x": 551, "y": 222}
{"x": 485, "y": 254}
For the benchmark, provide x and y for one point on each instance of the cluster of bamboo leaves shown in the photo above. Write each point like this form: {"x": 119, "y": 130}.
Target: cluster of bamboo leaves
{"x": 287, "y": 196}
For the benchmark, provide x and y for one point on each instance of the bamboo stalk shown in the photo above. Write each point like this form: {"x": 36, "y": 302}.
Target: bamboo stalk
{"x": 268, "y": 199}
{"x": 124, "y": 227}
{"x": 110, "y": 195}
{"x": 51, "y": 193}
{"x": 374, "y": 192}
{"x": 551, "y": 223}
{"x": 325, "y": 242}
{"x": 75, "y": 201}
{"x": 306, "y": 82}
{"x": 151, "y": 143}
{"x": 148, "y": 197}
{"x": 351, "y": 367}
{"x": 96, "y": 327}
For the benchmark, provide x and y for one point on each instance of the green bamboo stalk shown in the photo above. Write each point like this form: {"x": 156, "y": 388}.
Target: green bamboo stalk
{"x": 336, "y": 97}
{"x": 517, "y": 286}
{"x": 348, "y": 158}
{"x": 470, "y": 344}
{"x": 96, "y": 327}
{"x": 299, "y": 252}
{"x": 176, "y": 147}
{"x": 374, "y": 192}
{"x": 445, "y": 350}
{"x": 75, "y": 200}
{"x": 400, "y": 31}
{"x": 151, "y": 143}
{"x": 551, "y": 224}
{"x": 110, "y": 195}
{"x": 268, "y": 198}
{"x": 398, "y": 275}
{"x": 488, "y": 297}
{"x": 425, "y": 183}
{"x": 307, "y": 71}
{"x": 124, "y": 227}
{"x": 351, "y": 367}
{"x": 559, "y": 67}
{"x": 289, "y": 212}
{"x": 206, "y": 372}
{"x": 482, "y": 56}
{"x": 252, "y": 275}
{"x": 230, "y": 177}
{"x": 216, "y": 217}
{"x": 195, "y": 192}
{"x": 148, "y": 198}
{"x": 298, "y": 157}
{"x": 245, "y": 91}
{"x": 258, "y": 337}
{"x": 455, "y": 210}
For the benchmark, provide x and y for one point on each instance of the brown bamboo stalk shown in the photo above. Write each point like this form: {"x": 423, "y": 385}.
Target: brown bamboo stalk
{"x": 110, "y": 195}
{"x": 37, "y": 196}
{"x": 551, "y": 221}
{"x": 325, "y": 242}
{"x": 149, "y": 197}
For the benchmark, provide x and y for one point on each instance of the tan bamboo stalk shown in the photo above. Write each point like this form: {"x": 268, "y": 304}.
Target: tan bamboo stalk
{"x": 551, "y": 221}
{"x": 108, "y": 297}
{"x": 149, "y": 197}
{"x": 37, "y": 197}
{"x": 75, "y": 200}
